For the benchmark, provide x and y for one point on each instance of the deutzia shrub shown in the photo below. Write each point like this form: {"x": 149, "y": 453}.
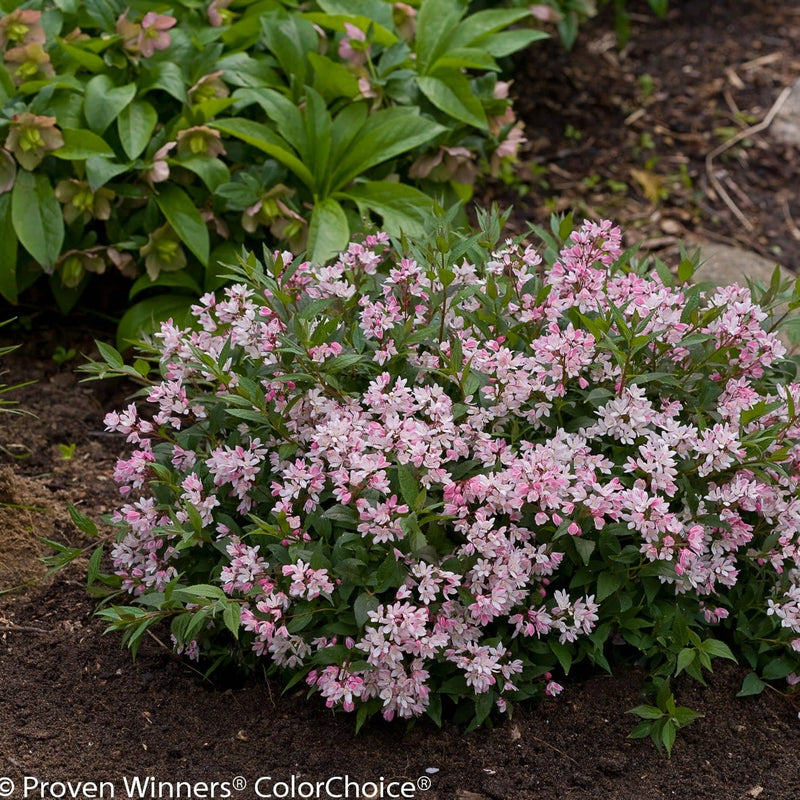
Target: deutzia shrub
{"x": 437, "y": 475}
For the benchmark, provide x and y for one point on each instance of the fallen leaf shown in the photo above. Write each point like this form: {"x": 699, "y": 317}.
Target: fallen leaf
{"x": 652, "y": 185}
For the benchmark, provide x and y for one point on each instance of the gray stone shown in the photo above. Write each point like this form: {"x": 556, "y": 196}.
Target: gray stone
{"x": 723, "y": 264}
{"x": 786, "y": 125}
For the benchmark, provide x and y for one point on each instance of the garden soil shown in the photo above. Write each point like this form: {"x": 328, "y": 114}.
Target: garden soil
{"x": 603, "y": 140}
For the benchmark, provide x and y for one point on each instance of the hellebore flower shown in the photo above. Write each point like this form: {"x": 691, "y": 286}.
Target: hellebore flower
{"x": 8, "y": 171}
{"x": 28, "y": 62}
{"x": 405, "y": 20}
{"x": 218, "y": 14}
{"x": 74, "y": 264}
{"x": 447, "y": 164}
{"x": 163, "y": 252}
{"x": 355, "y": 55}
{"x": 209, "y": 87}
{"x": 124, "y": 262}
{"x": 200, "y": 140}
{"x": 80, "y": 201}
{"x": 130, "y": 33}
{"x": 30, "y": 138}
{"x": 22, "y": 27}
{"x": 153, "y": 35}
{"x": 159, "y": 169}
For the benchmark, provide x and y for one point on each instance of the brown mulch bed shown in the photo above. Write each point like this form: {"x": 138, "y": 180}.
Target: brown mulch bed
{"x": 74, "y": 707}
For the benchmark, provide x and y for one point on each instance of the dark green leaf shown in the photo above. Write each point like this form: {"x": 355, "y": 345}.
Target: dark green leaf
{"x": 451, "y": 92}
{"x": 135, "y": 126}
{"x": 37, "y": 219}
{"x": 82, "y": 144}
{"x": 103, "y": 101}
{"x": 328, "y": 232}
{"x": 185, "y": 219}
{"x": 8, "y": 251}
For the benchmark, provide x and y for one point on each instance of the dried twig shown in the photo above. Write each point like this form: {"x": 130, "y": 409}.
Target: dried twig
{"x": 11, "y": 628}
{"x": 763, "y": 125}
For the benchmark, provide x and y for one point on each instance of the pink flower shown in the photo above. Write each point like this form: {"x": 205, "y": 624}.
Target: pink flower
{"x": 357, "y": 54}
{"x": 31, "y": 137}
{"x": 153, "y": 35}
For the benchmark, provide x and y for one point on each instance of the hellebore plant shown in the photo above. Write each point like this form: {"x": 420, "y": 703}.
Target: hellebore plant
{"x": 438, "y": 474}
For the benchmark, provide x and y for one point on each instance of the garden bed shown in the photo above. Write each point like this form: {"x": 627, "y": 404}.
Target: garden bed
{"x": 73, "y": 706}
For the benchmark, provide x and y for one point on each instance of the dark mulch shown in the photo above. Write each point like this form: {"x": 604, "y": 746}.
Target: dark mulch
{"x": 74, "y": 707}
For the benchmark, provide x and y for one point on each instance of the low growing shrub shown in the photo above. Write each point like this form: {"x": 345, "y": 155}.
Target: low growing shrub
{"x": 437, "y": 475}
{"x": 156, "y": 139}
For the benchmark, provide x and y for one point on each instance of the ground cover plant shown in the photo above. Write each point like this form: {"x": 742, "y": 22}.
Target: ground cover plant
{"x": 431, "y": 477}
{"x": 155, "y": 140}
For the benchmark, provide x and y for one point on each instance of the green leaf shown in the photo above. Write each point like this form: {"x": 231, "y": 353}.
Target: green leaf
{"x": 231, "y": 616}
{"x": 328, "y": 231}
{"x": 668, "y": 733}
{"x": 332, "y": 79}
{"x": 409, "y": 488}
{"x": 100, "y": 171}
{"x": 452, "y": 93}
{"x": 93, "y": 568}
{"x": 685, "y": 657}
{"x": 264, "y": 139}
{"x": 384, "y": 135}
{"x": 435, "y": 22}
{"x": 110, "y": 355}
{"x": 404, "y": 209}
{"x": 563, "y": 654}
{"x": 212, "y": 171}
{"x": 501, "y": 45}
{"x": 135, "y": 126}
{"x": 103, "y": 101}
{"x": 646, "y": 712}
{"x": 85, "y": 58}
{"x": 714, "y": 647}
{"x": 145, "y": 317}
{"x": 8, "y": 251}
{"x": 185, "y": 219}
{"x": 607, "y": 584}
{"x": 751, "y": 684}
{"x": 167, "y": 77}
{"x": 37, "y": 219}
{"x": 180, "y": 279}
{"x": 82, "y": 522}
{"x": 478, "y": 26}
{"x": 82, "y": 144}
{"x": 364, "y": 603}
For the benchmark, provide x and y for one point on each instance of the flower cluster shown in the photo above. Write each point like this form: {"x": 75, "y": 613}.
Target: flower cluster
{"x": 412, "y": 476}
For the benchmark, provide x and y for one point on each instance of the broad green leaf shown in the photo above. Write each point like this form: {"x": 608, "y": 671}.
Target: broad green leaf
{"x": 185, "y": 219}
{"x": 646, "y": 712}
{"x": 8, "y": 251}
{"x": 364, "y": 603}
{"x": 211, "y": 171}
{"x": 103, "y": 101}
{"x": 377, "y": 10}
{"x": 506, "y": 43}
{"x": 317, "y": 135}
{"x": 181, "y": 279}
{"x": 37, "y": 219}
{"x": 435, "y": 22}
{"x": 82, "y": 144}
{"x": 284, "y": 113}
{"x": 715, "y": 647}
{"x": 384, "y": 135}
{"x": 451, "y": 92}
{"x": 332, "y": 79}
{"x": 404, "y": 209}
{"x": 104, "y": 13}
{"x": 476, "y": 26}
{"x": 751, "y": 684}
{"x": 88, "y": 60}
{"x": 686, "y": 656}
{"x": 101, "y": 170}
{"x": 165, "y": 76}
{"x": 289, "y": 38}
{"x": 7, "y": 88}
{"x": 145, "y": 317}
{"x": 135, "y": 126}
{"x": 241, "y": 69}
{"x": 328, "y": 231}
{"x": 465, "y": 58}
{"x": 264, "y": 139}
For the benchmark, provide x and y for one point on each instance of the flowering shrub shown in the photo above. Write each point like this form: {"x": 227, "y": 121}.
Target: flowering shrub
{"x": 450, "y": 471}
{"x": 156, "y": 140}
